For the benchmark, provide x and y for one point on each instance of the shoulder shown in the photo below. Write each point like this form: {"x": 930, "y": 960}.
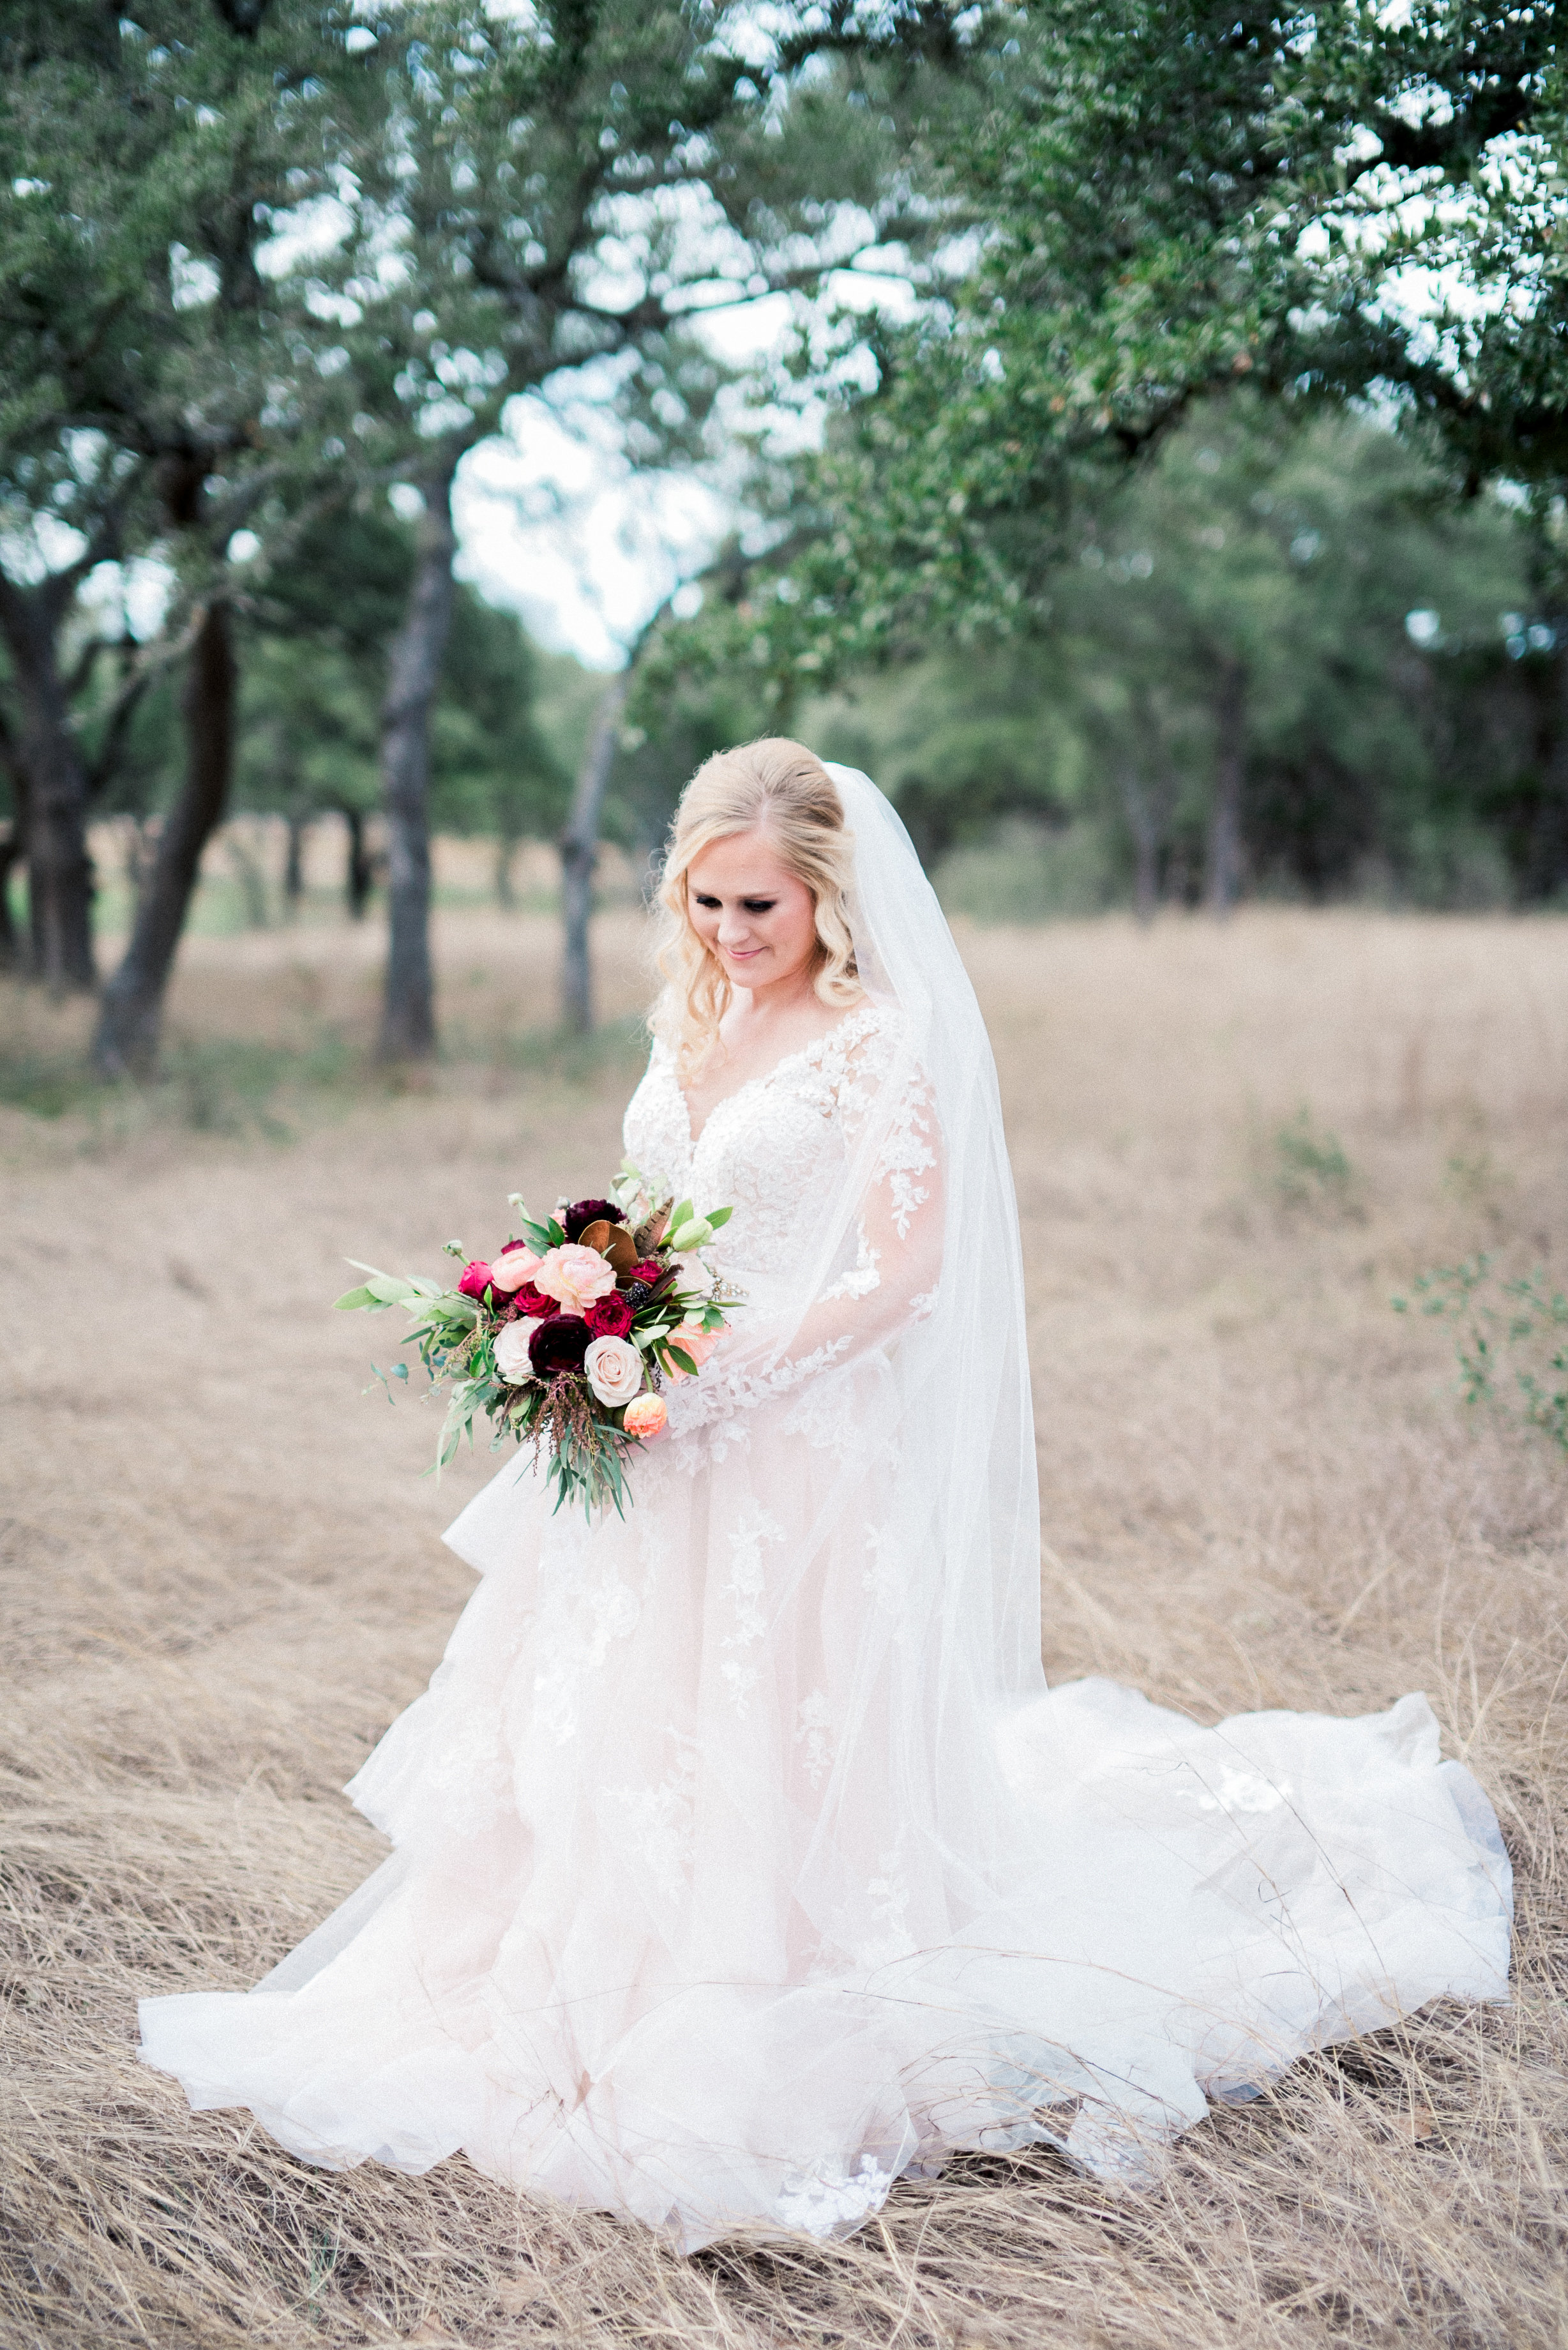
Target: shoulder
{"x": 869, "y": 1046}
{"x": 869, "y": 1041}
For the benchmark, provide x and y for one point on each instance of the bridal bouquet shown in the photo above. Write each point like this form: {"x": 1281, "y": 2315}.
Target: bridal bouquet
{"x": 566, "y": 1337}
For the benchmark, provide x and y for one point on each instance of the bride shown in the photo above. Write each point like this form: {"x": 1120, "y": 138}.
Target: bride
{"x": 742, "y": 1861}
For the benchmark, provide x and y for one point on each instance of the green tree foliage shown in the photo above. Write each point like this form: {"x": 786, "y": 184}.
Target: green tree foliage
{"x": 1248, "y": 595}
{"x": 160, "y": 380}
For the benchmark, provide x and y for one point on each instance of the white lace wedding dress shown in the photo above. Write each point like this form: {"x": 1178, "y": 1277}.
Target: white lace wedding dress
{"x": 742, "y": 1860}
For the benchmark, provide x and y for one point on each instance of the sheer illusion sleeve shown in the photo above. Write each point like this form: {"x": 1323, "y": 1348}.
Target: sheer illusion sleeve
{"x": 890, "y": 1264}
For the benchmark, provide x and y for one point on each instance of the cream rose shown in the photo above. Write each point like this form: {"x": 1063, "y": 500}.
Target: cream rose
{"x": 512, "y": 1362}
{"x": 614, "y": 1369}
{"x": 645, "y": 1416}
{"x": 573, "y": 1275}
{"x": 512, "y": 1268}
{"x": 693, "y": 1342}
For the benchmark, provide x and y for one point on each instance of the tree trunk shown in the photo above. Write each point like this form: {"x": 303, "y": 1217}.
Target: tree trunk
{"x": 129, "y": 1025}
{"x": 60, "y": 870}
{"x": 13, "y": 849}
{"x": 10, "y": 855}
{"x": 506, "y": 847}
{"x": 408, "y": 1014}
{"x": 359, "y": 874}
{"x": 294, "y": 865}
{"x": 580, "y": 854}
{"x": 1546, "y": 848}
{"x": 1144, "y": 833}
{"x": 1224, "y": 863}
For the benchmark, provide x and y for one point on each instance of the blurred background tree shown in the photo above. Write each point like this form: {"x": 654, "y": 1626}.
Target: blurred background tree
{"x": 1193, "y": 525}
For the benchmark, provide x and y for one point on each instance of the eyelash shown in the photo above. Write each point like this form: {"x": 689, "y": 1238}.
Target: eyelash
{"x": 752, "y": 905}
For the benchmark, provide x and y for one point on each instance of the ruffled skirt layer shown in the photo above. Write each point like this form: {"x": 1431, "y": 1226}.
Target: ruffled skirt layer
{"x": 710, "y": 1904}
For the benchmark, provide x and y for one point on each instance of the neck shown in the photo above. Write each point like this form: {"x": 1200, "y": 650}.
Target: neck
{"x": 779, "y": 995}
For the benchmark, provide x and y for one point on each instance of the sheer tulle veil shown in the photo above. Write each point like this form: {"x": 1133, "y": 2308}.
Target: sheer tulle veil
{"x": 945, "y": 1286}
{"x": 962, "y": 1369}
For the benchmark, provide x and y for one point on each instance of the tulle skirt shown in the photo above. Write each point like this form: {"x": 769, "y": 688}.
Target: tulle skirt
{"x": 725, "y": 1887}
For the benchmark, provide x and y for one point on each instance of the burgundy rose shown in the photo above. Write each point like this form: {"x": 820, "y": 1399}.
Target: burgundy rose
{"x": 533, "y": 1305}
{"x": 559, "y": 1344}
{"x": 609, "y": 1318}
{"x": 584, "y": 1212}
{"x": 475, "y": 1279}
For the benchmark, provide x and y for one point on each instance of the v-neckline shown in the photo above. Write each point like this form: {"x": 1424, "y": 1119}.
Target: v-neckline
{"x": 763, "y": 1077}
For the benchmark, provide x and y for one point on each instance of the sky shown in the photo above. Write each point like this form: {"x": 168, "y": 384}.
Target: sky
{"x": 555, "y": 526}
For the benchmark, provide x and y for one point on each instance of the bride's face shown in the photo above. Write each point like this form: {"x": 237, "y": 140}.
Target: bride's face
{"x": 751, "y": 911}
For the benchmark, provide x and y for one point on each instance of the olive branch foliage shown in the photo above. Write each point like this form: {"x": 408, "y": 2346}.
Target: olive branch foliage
{"x": 1517, "y": 1326}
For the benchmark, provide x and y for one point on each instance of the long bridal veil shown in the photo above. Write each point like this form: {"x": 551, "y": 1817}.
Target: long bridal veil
{"x": 1105, "y": 1914}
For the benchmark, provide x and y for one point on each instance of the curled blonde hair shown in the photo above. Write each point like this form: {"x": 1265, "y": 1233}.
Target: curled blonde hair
{"x": 783, "y": 790}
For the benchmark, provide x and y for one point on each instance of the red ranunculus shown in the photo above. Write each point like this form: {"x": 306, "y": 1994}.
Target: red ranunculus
{"x": 559, "y": 1344}
{"x": 533, "y": 1304}
{"x": 576, "y": 1218}
{"x": 475, "y": 1279}
{"x": 648, "y": 1270}
{"x": 609, "y": 1318}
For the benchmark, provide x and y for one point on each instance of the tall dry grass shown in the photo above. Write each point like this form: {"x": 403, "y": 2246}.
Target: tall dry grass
{"x": 221, "y": 1580}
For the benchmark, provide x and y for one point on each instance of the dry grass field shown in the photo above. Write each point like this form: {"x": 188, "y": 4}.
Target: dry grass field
{"x": 221, "y": 1580}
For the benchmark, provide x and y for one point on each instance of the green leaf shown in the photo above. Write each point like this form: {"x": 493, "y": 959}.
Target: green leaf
{"x": 390, "y": 1288}
{"x": 718, "y": 1216}
{"x": 358, "y": 1301}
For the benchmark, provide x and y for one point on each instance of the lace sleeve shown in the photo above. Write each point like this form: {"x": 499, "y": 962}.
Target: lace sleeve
{"x": 897, "y": 1249}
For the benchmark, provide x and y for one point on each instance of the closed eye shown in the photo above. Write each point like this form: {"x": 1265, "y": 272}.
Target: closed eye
{"x": 759, "y": 905}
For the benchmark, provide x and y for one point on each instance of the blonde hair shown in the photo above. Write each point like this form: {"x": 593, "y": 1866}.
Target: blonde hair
{"x": 782, "y": 790}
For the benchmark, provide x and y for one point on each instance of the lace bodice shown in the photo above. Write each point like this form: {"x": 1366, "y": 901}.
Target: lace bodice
{"x": 779, "y": 1143}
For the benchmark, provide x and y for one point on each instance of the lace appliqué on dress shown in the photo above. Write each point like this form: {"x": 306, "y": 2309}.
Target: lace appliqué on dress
{"x": 826, "y": 2201}
{"x": 578, "y": 1618}
{"x": 907, "y": 1153}
{"x": 748, "y": 1581}
{"x": 813, "y": 1731}
{"x": 656, "y": 1821}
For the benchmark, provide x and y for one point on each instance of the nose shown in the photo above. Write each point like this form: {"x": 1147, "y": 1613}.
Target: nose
{"x": 735, "y": 928}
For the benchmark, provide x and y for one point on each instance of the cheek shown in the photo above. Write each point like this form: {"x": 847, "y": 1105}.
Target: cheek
{"x": 801, "y": 934}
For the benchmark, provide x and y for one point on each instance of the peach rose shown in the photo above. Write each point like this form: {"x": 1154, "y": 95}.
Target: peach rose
{"x": 512, "y": 1267}
{"x": 512, "y": 1362}
{"x": 645, "y": 1416}
{"x": 572, "y": 1276}
{"x": 613, "y": 1370}
{"x": 695, "y": 1343}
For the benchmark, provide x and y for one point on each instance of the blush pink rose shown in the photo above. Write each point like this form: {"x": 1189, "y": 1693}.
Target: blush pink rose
{"x": 512, "y": 1267}
{"x": 572, "y": 1276}
{"x": 613, "y": 1370}
{"x": 645, "y": 1416}
{"x": 695, "y": 1343}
